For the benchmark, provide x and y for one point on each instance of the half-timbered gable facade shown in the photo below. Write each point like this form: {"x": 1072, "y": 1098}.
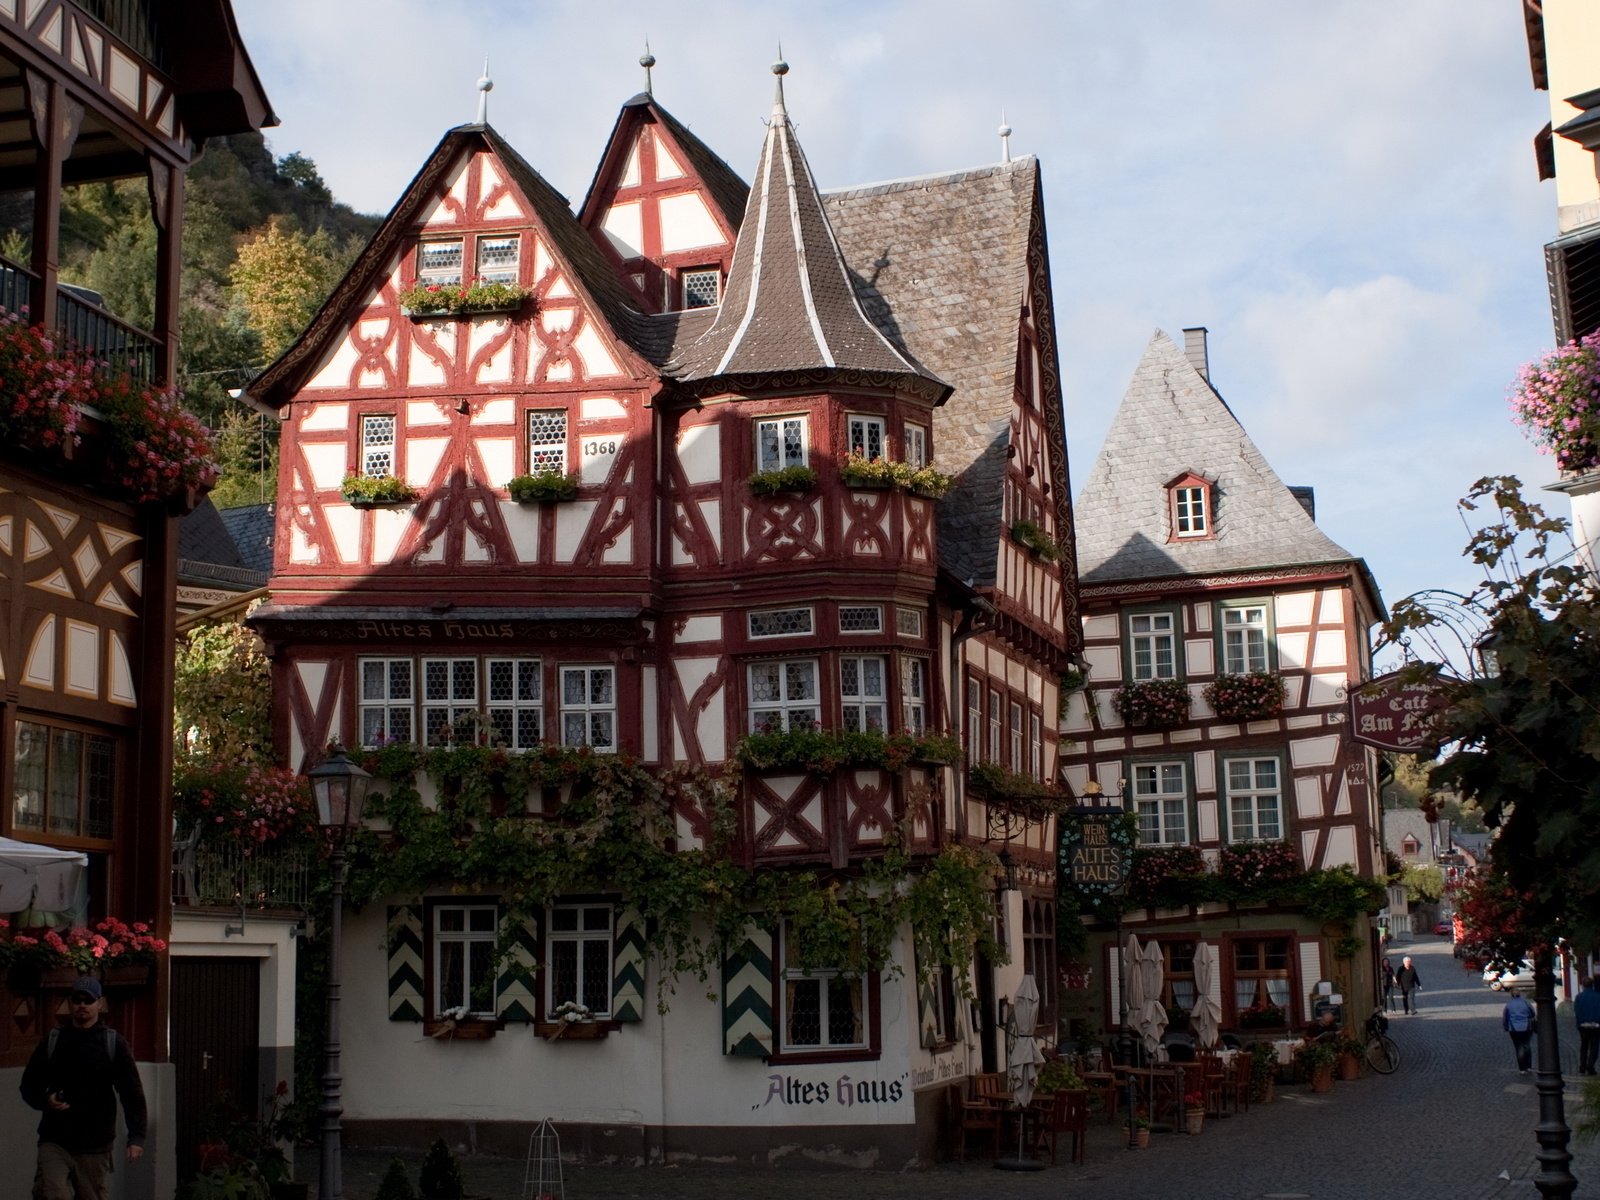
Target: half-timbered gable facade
{"x": 722, "y": 567}
{"x": 90, "y": 564}
{"x": 1202, "y": 572}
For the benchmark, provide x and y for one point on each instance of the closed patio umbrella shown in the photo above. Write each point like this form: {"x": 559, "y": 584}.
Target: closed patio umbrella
{"x": 1152, "y": 972}
{"x": 1022, "y": 1064}
{"x": 1207, "y": 1014}
{"x": 1131, "y": 958}
{"x": 41, "y": 878}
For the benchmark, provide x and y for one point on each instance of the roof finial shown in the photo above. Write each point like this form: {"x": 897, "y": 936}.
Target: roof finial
{"x": 647, "y": 60}
{"x": 485, "y": 86}
{"x": 1005, "y": 138}
{"x": 780, "y": 69}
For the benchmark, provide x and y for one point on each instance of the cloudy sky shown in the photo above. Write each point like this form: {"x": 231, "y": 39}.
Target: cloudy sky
{"x": 1345, "y": 194}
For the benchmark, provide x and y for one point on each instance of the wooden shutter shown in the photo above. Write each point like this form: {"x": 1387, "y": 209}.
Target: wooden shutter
{"x": 747, "y": 995}
{"x": 516, "y": 987}
{"x": 405, "y": 963}
{"x": 627, "y": 958}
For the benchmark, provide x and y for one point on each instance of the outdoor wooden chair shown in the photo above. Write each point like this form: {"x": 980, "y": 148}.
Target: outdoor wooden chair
{"x": 1102, "y": 1082}
{"x": 1240, "y": 1081}
{"x": 1068, "y": 1115}
{"x": 973, "y": 1116}
{"x": 1212, "y": 1079}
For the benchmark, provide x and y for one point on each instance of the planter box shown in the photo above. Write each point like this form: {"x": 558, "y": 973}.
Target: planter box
{"x": 574, "y": 1031}
{"x": 134, "y": 975}
{"x": 360, "y": 503}
{"x": 469, "y": 1030}
{"x": 494, "y": 310}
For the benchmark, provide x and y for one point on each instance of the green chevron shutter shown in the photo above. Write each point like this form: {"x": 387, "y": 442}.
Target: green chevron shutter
{"x": 928, "y": 1009}
{"x": 747, "y": 995}
{"x": 627, "y": 980}
{"x": 405, "y": 963}
{"x": 515, "y": 988}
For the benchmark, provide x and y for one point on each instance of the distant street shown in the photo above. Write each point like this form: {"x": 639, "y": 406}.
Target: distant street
{"x": 1454, "y": 1123}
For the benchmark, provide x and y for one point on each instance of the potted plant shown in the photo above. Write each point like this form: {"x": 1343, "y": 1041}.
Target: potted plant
{"x": 1194, "y": 1111}
{"x": 1056, "y": 1075}
{"x": 1263, "y": 1072}
{"x": 1350, "y": 1050}
{"x": 1318, "y": 1058}
{"x": 112, "y": 949}
{"x": 543, "y": 487}
{"x": 1256, "y": 696}
{"x": 1554, "y": 401}
{"x": 1141, "y": 1131}
{"x": 370, "y": 491}
{"x": 571, "y": 1019}
{"x": 783, "y": 479}
{"x": 1154, "y": 703}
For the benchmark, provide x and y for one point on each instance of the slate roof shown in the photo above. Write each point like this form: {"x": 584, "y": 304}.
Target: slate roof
{"x": 207, "y": 552}
{"x": 252, "y": 527}
{"x": 790, "y": 305}
{"x": 1171, "y": 422}
{"x": 940, "y": 264}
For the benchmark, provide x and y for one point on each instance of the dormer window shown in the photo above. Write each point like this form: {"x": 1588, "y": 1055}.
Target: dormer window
{"x": 439, "y": 263}
{"x": 701, "y": 287}
{"x": 498, "y": 258}
{"x": 1189, "y": 502}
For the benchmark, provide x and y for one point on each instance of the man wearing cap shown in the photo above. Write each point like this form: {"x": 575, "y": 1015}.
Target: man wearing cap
{"x": 75, "y": 1078}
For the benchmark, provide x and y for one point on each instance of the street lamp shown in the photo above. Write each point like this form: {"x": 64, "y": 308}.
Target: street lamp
{"x": 341, "y": 791}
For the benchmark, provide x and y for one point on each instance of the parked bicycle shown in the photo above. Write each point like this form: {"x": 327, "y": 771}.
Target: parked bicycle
{"x": 1383, "y": 1052}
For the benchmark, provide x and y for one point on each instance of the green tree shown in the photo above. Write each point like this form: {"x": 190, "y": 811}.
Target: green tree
{"x": 1523, "y": 734}
{"x": 1424, "y": 883}
{"x": 280, "y": 278}
{"x": 222, "y": 696}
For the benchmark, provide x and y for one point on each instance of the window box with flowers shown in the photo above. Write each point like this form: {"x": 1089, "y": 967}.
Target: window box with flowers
{"x": 459, "y": 1025}
{"x": 119, "y": 953}
{"x": 1257, "y": 696}
{"x": 823, "y": 751}
{"x": 573, "y": 1021}
{"x": 783, "y": 479}
{"x": 1251, "y": 868}
{"x": 1557, "y": 401}
{"x": 858, "y": 471}
{"x": 1154, "y": 703}
{"x": 1019, "y": 794}
{"x": 1037, "y": 542}
{"x": 1263, "y": 1015}
{"x": 433, "y": 300}
{"x": 375, "y": 491}
{"x": 543, "y": 487}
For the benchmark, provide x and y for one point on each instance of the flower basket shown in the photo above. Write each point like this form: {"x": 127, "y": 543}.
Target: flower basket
{"x": 363, "y": 491}
{"x": 432, "y": 301}
{"x": 1557, "y": 401}
{"x": 1257, "y": 696}
{"x": 543, "y": 487}
{"x": 1153, "y": 703}
{"x": 785, "y": 479}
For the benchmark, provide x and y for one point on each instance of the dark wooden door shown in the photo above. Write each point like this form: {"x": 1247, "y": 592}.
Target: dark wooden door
{"x": 216, "y": 1024}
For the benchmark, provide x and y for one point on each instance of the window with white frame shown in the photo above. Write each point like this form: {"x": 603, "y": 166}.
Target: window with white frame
{"x": 1261, "y": 974}
{"x": 589, "y": 707}
{"x": 1255, "y": 799}
{"x": 1152, "y": 645}
{"x": 913, "y": 695}
{"x": 779, "y": 622}
{"x": 783, "y": 695}
{"x": 1016, "y": 738}
{"x": 1244, "y": 638}
{"x": 860, "y": 618}
{"x": 449, "y": 696}
{"x": 863, "y": 693}
{"x": 1036, "y": 745}
{"x": 388, "y": 701}
{"x": 515, "y": 701}
{"x": 377, "y": 446}
{"x": 498, "y": 258}
{"x": 547, "y": 441}
{"x": 464, "y": 938}
{"x": 996, "y": 724}
{"x": 700, "y": 287}
{"x": 1161, "y": 798}
{"x": 974, "y": 721}
{"x": 916, "y": 446}
{"x": 823, "y": 1008}
{"x": 579, "y": 952}
{"x": 781, "y": 442}
{"x": 439, "y": 263}
{"x": 1189, "y": 515}
{"x": 864, "y": 436}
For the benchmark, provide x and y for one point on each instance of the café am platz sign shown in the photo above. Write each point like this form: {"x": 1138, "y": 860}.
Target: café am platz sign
{"x": 1394, "y": 713}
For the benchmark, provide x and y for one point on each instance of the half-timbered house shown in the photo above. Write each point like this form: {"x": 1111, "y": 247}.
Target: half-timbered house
{"x": 1222, "y": 631}
{"x": 701, "y": 359}
{"x": 96, "y": 92}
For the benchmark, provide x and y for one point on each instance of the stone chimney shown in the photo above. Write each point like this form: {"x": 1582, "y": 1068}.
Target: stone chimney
{"x": 1194, "y": 349}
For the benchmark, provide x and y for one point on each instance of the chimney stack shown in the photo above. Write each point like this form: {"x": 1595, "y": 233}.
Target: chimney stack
{"x": 1194, "y": 349}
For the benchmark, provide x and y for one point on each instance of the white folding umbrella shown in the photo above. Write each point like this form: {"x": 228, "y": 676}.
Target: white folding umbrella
{"x": 41, "y": 878}
{"x": 1151, "y": 971}
{"x": 1025, "y": 1057}
{"x": 1207, "y": 1014}
{"x": 1131, "y": 957}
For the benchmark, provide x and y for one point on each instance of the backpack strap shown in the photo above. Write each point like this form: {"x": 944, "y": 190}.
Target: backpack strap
{"x": 111, "y": 1042}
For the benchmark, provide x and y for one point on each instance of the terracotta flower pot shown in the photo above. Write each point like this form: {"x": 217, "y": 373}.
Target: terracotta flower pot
{"x": 1322, "y": 1079}
{"x": 1349, "y": 1067}
{"x": 1194, "y": 1120}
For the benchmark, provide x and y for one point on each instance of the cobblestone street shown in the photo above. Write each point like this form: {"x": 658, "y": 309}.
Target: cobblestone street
{"x": 1455, "y": 1122}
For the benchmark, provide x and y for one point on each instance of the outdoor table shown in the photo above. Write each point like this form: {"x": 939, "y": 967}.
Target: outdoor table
{"x": 1162, "y": 1088}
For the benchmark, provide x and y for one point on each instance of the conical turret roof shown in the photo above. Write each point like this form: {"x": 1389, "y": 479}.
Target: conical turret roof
{"x": 789, "y": 306}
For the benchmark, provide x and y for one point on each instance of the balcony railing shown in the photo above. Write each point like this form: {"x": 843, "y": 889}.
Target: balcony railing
{"x": 16, "y": 286}
{"x": 222, "y": 874}
{"x": 119, "y": 345}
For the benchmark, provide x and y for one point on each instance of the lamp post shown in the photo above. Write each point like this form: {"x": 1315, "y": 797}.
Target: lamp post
{"x": 341, "y": 791}
{"x": 1555, "y": 1160}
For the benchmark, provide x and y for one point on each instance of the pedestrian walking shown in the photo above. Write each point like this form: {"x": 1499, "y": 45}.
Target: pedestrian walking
{"x": 1586, "y": 1011}
{"x": 1407, "y": 980}
{"x": 1387, "y": 981}
{"x": 75, "y": 1078}
{"x": 1517, "y": 1019}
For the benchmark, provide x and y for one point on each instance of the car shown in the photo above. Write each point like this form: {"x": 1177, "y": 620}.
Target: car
{"x": 1441, "y": 928}
{"x": 1519, "y": 979}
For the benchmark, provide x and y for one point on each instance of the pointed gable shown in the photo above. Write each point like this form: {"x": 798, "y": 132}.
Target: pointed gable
{"x": 661, "y": 204}
{"x": 473, "y": 176}
{"x": 1171, "y": 424}
{"x": 790, "y": 304}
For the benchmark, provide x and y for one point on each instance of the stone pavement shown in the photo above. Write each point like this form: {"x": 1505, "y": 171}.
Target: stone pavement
{"x": 1454, "y": 1123}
